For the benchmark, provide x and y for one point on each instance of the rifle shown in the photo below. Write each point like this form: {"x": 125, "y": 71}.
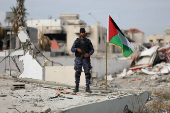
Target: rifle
{"x": 82, "y": 56}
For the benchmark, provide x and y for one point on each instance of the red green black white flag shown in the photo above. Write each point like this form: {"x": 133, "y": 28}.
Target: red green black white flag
{"x": 117, "y": 38}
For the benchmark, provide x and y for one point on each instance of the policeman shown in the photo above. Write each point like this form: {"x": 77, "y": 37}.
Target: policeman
{"x": 83, "y": 49}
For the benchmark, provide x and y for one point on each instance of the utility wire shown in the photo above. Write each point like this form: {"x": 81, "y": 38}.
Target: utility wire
{"x": 36, "y": 49}
{"x": 10, "y": 54}
{"x": 47, "y": 58}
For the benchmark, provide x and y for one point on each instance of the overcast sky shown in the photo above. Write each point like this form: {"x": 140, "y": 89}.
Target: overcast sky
{"x": 149, "y": 16}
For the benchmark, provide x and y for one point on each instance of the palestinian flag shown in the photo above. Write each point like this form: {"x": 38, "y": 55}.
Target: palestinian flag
{"x": 117, "y": 38}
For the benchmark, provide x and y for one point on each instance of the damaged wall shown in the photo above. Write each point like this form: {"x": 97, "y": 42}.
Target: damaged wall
{"x": 63, "y": 74}
{"x": 5, "y": 65}
{"x": 119, "y": 105}
{"x": 31, "y": 67}
{"x": 115, "y": 65}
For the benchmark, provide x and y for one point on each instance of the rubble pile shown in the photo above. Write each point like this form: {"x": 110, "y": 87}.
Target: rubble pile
{"x": 150, "y": 71}
{"x": 150, "y": 68}
{"x": 35, "y": 97}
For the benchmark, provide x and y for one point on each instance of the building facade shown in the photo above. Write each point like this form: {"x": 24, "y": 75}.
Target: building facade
{"x": 66, "y": 30}
{"x": 136, "y": 35}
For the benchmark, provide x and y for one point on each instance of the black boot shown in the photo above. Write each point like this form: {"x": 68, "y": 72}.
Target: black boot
{"x": 88, "y": 89}
{"x": 76, "y": 89}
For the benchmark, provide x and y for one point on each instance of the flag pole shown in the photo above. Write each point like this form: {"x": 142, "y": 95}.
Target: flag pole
{"x": 106, "y": 62}
{"x": 107, "y": 43}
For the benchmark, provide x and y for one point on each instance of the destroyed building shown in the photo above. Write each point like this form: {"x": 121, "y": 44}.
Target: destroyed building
{"x": 27, "y": 66}
{"x": 63, "y": 31}
{"x": 159, "y": 39}
{"x": 66, "y": 29}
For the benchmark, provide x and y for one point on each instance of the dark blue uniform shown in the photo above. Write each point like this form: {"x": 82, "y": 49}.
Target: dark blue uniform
{"x": 84, "y": 62}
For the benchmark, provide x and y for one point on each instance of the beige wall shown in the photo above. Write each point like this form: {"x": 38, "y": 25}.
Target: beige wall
{"x": 63, "y": 74}
{"x": 154, "y": 38}
{"x": 167, "y": 39}
{"x": 137, "y": 37}
{"x": 102, "y": 32}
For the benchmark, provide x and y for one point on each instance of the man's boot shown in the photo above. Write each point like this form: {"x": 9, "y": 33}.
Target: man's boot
{"x": 88, "y": 89}
{"x": 76, "y": 89}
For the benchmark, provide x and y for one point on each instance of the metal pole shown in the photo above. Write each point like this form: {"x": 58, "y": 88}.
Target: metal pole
{"x": 5, "y": 62}
{"x": 10, "y": 51}
{"x": 106, "y": 62}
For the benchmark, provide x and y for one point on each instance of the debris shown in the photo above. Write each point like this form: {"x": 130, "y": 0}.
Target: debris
{"x": 146, "y": 71}
{"x": 133, "y": 80}
{"x": 54, "y": 97}
{"x": 31, "y": 111}
{"x": 98, "y": 100}
{"x": 62, "y": 96}
{"x": 123, "y": 74}
{"x": 17, "y": 86}
{"x": 13, "y": 96}
{"x": 67, "y": 92}
{"x": 163, "y": 110}
{"x": 35, "y": 105}
{"x": 15, "y": 109}
{"x": 154, "y": 77}
{"x": 164, "y": 70}
{"x": 151, "y": 57}
{"x": 69, "y": 97}
{"x": 117, "y": 86}
{"x": 58, "y": 92}
{"x": 130, "y": 72}
{"x": 3, "y": 95}
{"x": 46, "y": 110}
{"x": 109, "y": 77}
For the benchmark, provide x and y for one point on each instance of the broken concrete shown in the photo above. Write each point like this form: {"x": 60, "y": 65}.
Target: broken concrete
{"x": 63, "y": 74}
{"x": 36, "y": 97}
{"x": 31, "y": 67}
{"x": 151, "y": 57}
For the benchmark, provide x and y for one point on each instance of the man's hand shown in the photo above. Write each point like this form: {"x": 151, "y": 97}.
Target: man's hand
{"x": 79, "y": 50}
{"x": 86, "y": 55}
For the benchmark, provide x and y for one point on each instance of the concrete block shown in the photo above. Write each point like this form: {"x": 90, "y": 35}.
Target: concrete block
{"x": 94, "y": 74}
{"x": 116, "y": 105}
{"x": 46, "y": 110}
{"x": 17, "y": 86}
{"x": 94, "y": 81}
{"x": 11, "y": 112}
{"x": 47, "y": 63}
{"x": 63, "y": 74}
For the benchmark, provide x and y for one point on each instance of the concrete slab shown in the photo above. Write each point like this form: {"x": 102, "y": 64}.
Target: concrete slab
{"x": 36, "y": 97}
{"x": 63, "y": 74}
{"x": 31, "y": 67}
{"x": 117, "y": 105}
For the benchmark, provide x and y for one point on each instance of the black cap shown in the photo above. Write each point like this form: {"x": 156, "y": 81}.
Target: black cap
{"x": 82, "y": 30}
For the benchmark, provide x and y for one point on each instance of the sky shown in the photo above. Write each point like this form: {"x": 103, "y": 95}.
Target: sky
{"x": 149, "y": 16}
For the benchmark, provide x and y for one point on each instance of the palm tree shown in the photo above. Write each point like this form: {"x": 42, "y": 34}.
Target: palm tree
{"x": 44, "y": 42}
{"x": 1, "y": 31}
{"x": 14, "y": 19}
{"x": 1, "y": 36}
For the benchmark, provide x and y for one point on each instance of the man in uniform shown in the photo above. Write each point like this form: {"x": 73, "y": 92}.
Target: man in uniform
{"x": 83, "y": 49}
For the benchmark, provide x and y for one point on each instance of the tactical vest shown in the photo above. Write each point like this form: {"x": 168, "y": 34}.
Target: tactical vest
{"x": 84, "y": 47}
